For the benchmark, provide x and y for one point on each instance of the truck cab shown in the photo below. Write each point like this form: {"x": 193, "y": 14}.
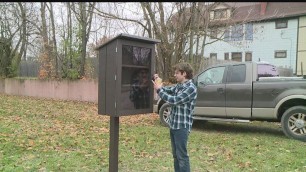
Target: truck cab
{"x": 247, "y": 91}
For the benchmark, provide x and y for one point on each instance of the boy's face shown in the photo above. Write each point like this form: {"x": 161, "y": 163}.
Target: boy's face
{"x": 155, "y": 76}
{"x": 180, "y": 77}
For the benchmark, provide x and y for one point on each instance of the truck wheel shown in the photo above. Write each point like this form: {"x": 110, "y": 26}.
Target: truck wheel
{"x": 164, "y": 114}
{"x": 294, "y": 122}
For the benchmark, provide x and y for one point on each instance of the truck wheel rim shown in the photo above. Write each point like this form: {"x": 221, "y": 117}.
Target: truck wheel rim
{"x": 166, "y": 114}
{"x": 297, "y": 123}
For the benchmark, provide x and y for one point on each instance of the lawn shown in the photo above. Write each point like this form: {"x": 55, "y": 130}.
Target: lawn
{"x": 52, "y": 135}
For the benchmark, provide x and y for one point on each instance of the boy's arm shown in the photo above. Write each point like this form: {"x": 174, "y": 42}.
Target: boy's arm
{"x": 168, "y": 89}
{"x": 183, "y": 97}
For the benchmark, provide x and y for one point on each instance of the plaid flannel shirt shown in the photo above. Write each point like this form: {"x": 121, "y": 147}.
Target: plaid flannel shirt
{"x": 182, "y": 98}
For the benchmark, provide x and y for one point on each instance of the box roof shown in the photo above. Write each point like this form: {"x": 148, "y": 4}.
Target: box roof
{"x": 130, "y": 37}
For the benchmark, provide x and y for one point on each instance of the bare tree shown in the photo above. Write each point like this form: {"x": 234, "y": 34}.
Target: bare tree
{"x": 70, "y": 34}
{"x": 84, "y": 15}
{"x": 23, "y": 33}
{"x": 156, "y": 23}
{"x": 172, "y": 35}
{"x": 13, "y": 29}
{"x": 47, "y": 49}
{"x": 54, "y": 46}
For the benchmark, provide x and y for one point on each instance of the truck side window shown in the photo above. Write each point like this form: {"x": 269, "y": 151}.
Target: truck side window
{"x": 266, "y": 70}
{"x": 237, "y": 73}
{"x": 211, "y": 76}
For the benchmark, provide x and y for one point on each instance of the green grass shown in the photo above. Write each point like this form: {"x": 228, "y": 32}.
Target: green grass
{"x": 50, "y": 135}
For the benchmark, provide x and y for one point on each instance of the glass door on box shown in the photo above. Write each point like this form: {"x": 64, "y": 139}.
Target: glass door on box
{"x": 136, "y": 80}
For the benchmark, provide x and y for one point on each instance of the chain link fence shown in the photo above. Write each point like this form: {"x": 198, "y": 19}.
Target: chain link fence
{"x": 28, "y": 69}
{"x": 31, "y": 68}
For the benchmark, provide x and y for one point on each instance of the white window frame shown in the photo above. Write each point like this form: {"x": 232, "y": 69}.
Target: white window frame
{"x": 277, "y": 54}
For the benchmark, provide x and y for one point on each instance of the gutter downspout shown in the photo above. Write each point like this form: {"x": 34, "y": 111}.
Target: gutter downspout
{"x": 297, "y": 48}
{"x": 282, "y": 33}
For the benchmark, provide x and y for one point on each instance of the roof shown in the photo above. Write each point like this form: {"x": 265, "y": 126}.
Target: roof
{"x": 240, "y": 4}
{"x": 274, "y": 10}
{"x": 250, "y": 12}
{"x": 130, "y": 37}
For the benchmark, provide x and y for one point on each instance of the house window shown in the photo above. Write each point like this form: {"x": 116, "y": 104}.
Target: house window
{"x": 227, "y": 35}
{"x": 226, "y": 56}
{"x": 280, "y": 54}
{"x": 237, "y": 57}
{"x": 249, "y": 31}
{"x": 214, "y": 34}
{"x": 213, "y": 56}
{"x": 248, "y": 56}
{"x": 220, "y": 14}
{"x": 279, "y": 24}
{"x": 237, "y": 32}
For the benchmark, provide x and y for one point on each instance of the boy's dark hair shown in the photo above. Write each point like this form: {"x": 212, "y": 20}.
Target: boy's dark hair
{"x": 184, "y": 67}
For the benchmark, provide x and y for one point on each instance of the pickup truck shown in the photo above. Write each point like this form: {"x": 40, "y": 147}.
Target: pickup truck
{"x": 241, "y": 92}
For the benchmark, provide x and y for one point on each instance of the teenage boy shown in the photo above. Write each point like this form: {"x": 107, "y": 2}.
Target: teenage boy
{"x": 182, "y": 98}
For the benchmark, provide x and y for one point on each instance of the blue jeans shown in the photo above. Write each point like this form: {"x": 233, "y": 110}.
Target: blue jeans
{"x": 179, "y": 140}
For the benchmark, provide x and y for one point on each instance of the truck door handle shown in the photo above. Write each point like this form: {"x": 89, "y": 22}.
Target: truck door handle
{"x": 220, "y": 90}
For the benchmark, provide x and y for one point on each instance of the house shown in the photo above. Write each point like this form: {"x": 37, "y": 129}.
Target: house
{"x": 274, "y": 32}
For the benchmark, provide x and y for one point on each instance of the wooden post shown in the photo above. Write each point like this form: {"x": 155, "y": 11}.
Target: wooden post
{"x": 113, "y": 144}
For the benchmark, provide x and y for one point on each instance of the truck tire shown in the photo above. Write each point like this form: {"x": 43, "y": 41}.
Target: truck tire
{"x": 164, "y": 114}
{"x": 294, "y": 123}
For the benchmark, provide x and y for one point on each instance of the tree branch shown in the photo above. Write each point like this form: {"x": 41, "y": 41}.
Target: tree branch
{"x": 112, "y": 16}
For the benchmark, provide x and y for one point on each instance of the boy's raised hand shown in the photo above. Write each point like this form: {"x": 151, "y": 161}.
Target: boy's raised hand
{"x": 157, "y": 85}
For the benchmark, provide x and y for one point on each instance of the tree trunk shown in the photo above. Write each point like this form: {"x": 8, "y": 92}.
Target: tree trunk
{"x": 83, "y": 37}
{"x": 46, "y": 52}
{"x": 85, "y": 20}
{"x": 69, "y": 37}
{"x": 191, "y": 29}
{"x": 165, "y": 48}
{"x": 23, "y": 34}
{"x": 54, "y": 52}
